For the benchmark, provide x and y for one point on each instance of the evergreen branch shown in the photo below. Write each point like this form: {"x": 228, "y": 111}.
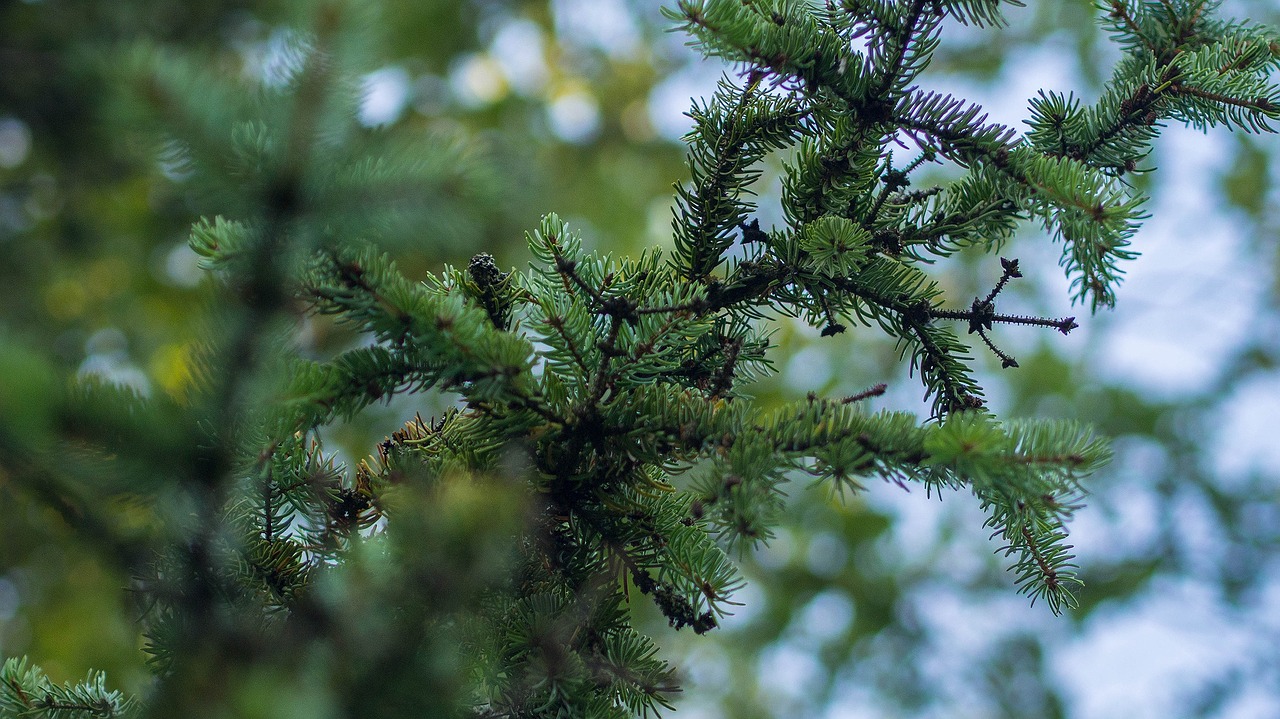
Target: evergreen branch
{"x": 895, "y": 180}
{"x": 26, "y": 691}
{"x": 557, "y": 325}
{"x": 1130, "y": 27}
{"x": 1261, "y": 105}
{"x": 1052, "y": 569}
{"x": 723, "y": 379}
{"x": 977, "y": 12}
{"x": 676, "y": 608}
{"x": 1129, "y": 132}
{"x": 567, "y": 267}
{"x": 936, "y": 358}
{"x": 588, "y": 383}
{"x": 910, "y": 46}
{"x": 366, "y": 289}
{"x": 602, "y": 381}
{"x": 262, "y": 292}
{"x": 959, "y": 130}
{"x": 970, "y": 216}
{"x": 939, "y": 367}
{"x": 730, "y": 136}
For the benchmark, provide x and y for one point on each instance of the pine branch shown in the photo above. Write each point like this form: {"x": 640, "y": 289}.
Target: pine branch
{"x": 603, "y": 447}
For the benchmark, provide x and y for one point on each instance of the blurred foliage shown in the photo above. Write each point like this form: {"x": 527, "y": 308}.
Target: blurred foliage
{"x": 94, "y": 273}
{"x": 93, "y": 226}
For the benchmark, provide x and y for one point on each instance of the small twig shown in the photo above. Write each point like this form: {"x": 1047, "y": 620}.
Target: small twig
{"x": 725, "y": 374}
{"x": 1063, "y": 325}
{"x": 1010, "y": 271}
{"x": 982, "y": 314}
{"x": 1006, "y": 362}
{"x": 568, "y": 269}
{"x": 874, "y": 391}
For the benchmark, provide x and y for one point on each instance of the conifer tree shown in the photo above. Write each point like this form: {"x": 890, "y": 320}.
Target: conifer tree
{"x": 604, "y": 448}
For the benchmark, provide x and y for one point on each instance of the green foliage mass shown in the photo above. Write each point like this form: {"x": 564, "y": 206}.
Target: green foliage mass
{"x": 603, "y": 447}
